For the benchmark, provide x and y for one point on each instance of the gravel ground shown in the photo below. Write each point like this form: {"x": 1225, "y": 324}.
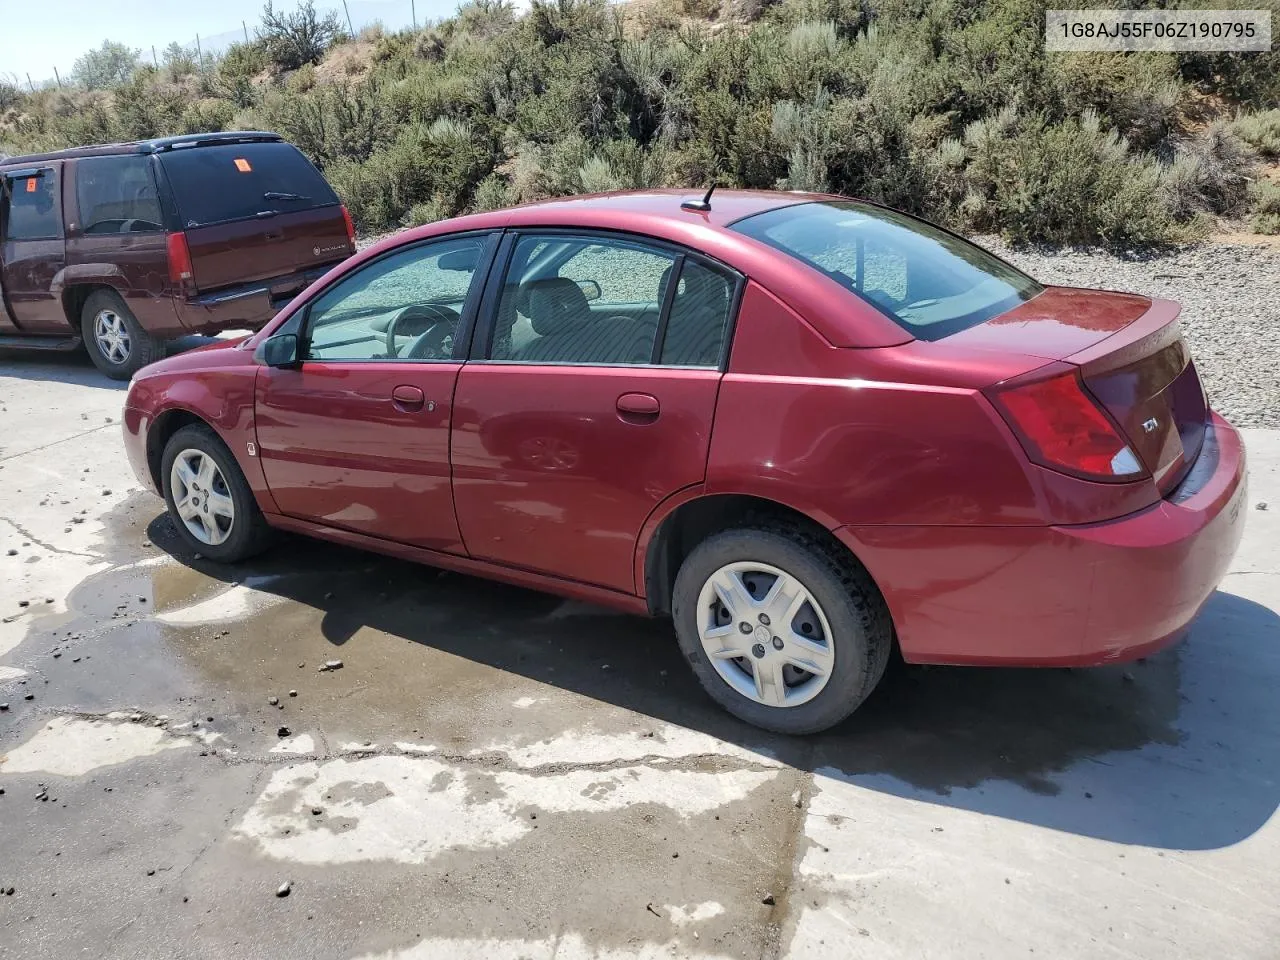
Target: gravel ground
{"x": 1230, "y": 298}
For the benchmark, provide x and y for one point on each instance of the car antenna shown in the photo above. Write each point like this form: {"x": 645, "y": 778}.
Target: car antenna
{"x": 702, "y": 205}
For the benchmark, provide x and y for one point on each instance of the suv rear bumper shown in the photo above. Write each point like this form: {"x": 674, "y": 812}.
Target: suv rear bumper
{"x": 248, "y": 306}
{"x": 1067, "y": 595}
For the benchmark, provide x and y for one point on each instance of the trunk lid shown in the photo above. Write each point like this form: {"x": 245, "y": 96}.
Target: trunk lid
{"x": 1132, "y": 359}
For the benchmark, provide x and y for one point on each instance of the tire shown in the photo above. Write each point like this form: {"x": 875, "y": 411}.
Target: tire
{"x": 849, "y": 610}
{"x": 246, "y": 532}
{"x": 120, "y": 347}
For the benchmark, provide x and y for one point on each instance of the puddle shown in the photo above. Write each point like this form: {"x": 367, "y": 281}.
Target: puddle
{"x": 72, "y": 746}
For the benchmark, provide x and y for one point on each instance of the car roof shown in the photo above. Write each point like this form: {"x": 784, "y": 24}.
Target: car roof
{"x": 841, "y": 317}
{"x": 157, "y": 145}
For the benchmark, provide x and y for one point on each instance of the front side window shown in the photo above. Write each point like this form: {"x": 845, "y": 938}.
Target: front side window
{"x": 929, "y": 282}
{"x": 579, "y": 300}
{"x": 405, "y": 306}
{"x": 34, "y": 211}
{"x": 117, "y": 195}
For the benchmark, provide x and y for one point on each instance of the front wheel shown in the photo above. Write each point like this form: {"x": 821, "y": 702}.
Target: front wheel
{"x": 209, "y": 499}
{"x": 781, "y": 628}
{"x": 116, "y": 342}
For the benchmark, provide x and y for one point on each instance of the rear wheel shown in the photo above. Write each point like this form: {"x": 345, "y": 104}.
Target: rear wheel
{"x": 116, "y": 342}
{"x": 209, "y": 499}
{"x": 781, "y": 628}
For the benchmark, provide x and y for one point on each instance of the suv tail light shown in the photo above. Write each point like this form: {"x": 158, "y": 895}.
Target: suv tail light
{"x": 1061, "y": 426}
{"x": 351, "y": 227}
{"x": 179, "y": 259}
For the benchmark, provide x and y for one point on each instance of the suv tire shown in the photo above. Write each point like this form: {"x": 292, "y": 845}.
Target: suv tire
{"x": 235, "y": 529}
{"x": 841, "y": 627}
{"x": 116, "y": 342}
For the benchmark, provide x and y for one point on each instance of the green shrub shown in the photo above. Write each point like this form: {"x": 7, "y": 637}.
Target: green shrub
{"x": 1264, "y": 207}
{"x": 1261, "y": 131}
{"x": 110, "y": 65}
{"x": 291, "y": 40}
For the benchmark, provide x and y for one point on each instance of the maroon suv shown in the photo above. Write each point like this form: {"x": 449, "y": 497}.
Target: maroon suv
{"x": 121, "y": 247}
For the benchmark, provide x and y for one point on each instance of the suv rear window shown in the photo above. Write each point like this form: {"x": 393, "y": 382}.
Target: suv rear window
{"x": 928, "y": 281}
{"x": 237, "y": 181}
{"x": 117, "y": 195}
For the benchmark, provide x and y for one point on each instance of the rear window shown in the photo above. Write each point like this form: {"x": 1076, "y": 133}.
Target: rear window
{"x": 117, "y": 195}
{"x": 34, "y": 212}
{"x": 929, "y": 282}
{"x": 236, "y": 181}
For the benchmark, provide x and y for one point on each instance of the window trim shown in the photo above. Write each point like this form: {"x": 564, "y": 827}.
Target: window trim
{"x": 482, "y": 344}
{"x": 300, "y": 321}
{"x": 11, "y": 177}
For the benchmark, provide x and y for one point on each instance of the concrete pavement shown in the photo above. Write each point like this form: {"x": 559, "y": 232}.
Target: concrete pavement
{"x": 495, "y": 773}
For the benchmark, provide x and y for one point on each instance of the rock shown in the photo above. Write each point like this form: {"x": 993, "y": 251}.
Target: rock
{"x": 284, "y": 889}
{"x": 282, "y": 732}
{"x": 29, "y": 696}
{"x": 768, "y": 900}
{"x": 106, "y": 493}
{"x": 1260, "y": 505}
{"x": 8, "y": 891}
{"x": 151, "y": 872}
{"x": 273, "y": 700}
{"x": 24, "y": 603}
{"x": 13, "y": 552}
{"x": 316, "y": 811}
{"x": 331, "y": 665}
{"x": 293, "y": 693}
{"x": 3, "y": 707}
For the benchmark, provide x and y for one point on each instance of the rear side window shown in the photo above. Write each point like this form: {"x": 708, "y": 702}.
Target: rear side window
{"x": 117, "y": 195}
{"x": 237, "y": 181}
{"x": 34, "y": 211}
{"x": 699, "y": 317}
{"x": 931, "y": 283}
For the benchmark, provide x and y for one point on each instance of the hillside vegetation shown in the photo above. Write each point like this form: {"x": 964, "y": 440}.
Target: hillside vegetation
{"x": 947, "y": 108}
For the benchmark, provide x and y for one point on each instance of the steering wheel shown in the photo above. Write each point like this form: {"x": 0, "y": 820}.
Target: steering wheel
{"x": 432, "y": 324}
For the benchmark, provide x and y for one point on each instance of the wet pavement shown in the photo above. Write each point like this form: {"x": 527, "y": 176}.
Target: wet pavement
{"x": 495, "y": 773}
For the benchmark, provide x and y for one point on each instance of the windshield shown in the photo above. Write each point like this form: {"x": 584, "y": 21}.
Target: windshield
{"x": 931, "y": 283}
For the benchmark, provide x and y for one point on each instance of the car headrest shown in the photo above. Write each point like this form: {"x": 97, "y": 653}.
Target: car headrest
{"x": 554, "y": 305}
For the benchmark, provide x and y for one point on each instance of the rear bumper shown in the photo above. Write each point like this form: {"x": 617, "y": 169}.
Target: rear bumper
{"x": 1067, "y": 595}
{"x": 248, "y": 306}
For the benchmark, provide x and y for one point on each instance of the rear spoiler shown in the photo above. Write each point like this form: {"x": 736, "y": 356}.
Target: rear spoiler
{"x": 166, "y": 144}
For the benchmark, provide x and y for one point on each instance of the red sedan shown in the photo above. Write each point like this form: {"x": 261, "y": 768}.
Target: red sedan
{"x": 807, "y": 428}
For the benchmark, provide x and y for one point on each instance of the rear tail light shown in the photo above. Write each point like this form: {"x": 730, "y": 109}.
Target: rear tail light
{"x": 1061, "y": 426}
{"x": 351, "y": 227}
{"x": 179, "y": 259}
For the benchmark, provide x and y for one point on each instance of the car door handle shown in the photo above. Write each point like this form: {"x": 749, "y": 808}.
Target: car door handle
{"x": 638, "y": 407}
{"x": 407, "y": 397}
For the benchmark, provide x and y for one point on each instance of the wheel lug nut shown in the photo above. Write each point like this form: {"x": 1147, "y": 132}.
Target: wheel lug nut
{"x": 758, "y": 651}
{"x": 777, "y": 643}
{"x": 744, "y": 627}
{"x": 764, "y": 619}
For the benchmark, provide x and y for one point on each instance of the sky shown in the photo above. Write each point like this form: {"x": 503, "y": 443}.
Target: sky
{"x": 37, "y": 38}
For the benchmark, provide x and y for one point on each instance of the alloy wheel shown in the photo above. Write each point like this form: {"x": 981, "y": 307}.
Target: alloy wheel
{"x": 112, "y": 336}
{"x": 765, "y": 634}
{"x": 201, "y": 497}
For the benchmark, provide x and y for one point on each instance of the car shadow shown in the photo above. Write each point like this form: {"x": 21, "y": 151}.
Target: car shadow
{"x": 1176, "y": 751}
{"x": 74, "y": 366}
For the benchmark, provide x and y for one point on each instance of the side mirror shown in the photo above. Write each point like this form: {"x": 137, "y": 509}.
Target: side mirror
{"x": 281, "y": 350}
{"x": 590, "y": 289}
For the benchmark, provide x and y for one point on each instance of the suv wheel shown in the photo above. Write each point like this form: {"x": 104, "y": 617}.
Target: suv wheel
{"x": 781, "y": 628}
{"x": 117, "y": 344}
{"x": 209, "y": 499}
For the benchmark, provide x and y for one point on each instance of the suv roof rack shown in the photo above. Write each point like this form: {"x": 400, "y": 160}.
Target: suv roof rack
{"x": 158, "y": 145}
